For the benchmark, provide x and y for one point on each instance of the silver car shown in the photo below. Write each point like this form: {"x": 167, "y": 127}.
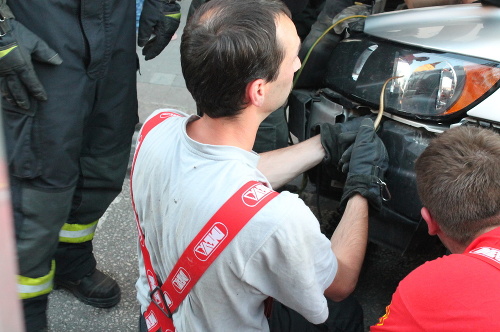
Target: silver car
{"x": 432, "y": 69}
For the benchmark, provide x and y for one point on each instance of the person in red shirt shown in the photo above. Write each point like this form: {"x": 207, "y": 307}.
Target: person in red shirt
{"x": 458, "y": 180}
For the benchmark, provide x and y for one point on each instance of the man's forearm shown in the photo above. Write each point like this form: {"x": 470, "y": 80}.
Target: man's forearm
{"x": 283, "y": 165}
{"x": 349, "y": 243}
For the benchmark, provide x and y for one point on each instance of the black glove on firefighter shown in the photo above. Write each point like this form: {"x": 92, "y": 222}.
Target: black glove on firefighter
{"x": 18, "y": 78}
{"x": 336, "y": 138}
{"x": 367, "y": 161}
{"x": 160, "y": 18}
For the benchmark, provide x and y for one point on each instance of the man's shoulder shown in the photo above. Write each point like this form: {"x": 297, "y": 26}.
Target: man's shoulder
{"x": 456, "y": 285}
{"x": 165, "y": 113}
{"x": 157, "y": 119}
{"x": 445, "y": 264}
{"x": 450, "y": 271}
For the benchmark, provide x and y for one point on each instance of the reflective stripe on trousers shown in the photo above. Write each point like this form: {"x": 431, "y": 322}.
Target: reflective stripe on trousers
{"x": 33, "y": 287}
{"x": 77, "y": 233}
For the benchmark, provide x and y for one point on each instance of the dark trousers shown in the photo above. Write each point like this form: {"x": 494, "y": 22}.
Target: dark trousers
{"x": 68, "y": 155}
{"x": 344, "y": 316}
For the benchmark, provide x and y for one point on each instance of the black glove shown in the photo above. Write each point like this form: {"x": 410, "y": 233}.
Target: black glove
{"x": 367, "y": 162}
{"x": 336, "y": 138}
{"x": 161, "y": 18}
{"x": 18, "y": 78}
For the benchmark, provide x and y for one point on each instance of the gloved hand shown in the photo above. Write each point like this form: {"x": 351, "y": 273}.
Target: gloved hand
{"x": 367, "y": 162}
{"x": 18, "y": 78}
{"x": 161, "y": 18}
{"x": 336, "y": 138}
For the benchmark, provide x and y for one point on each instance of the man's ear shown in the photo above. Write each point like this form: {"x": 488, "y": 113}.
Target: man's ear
{"x": 255, "y": 92}
{"x": 432, "y": 225}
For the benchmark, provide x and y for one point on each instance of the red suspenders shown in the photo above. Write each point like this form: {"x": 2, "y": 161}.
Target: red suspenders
{"x": 203, "y": 249}
{"x": 486, "y": 254}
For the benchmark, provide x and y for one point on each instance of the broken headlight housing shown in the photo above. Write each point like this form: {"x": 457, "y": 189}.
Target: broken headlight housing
{"x": 429, "y": 85}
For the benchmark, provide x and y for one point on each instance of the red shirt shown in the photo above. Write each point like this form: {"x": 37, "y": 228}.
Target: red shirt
{"x": 458, "y": 292}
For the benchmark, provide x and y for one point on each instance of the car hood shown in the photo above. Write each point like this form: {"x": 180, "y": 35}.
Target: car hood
{"x": 472, "y": 29}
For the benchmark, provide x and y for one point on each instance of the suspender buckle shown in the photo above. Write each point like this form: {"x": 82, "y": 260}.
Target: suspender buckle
{"x": 160, "y": 296}
{"x": 4, "y": 25}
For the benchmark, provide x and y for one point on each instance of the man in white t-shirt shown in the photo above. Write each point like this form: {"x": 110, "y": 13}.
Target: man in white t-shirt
{"x": 238, "y": 59}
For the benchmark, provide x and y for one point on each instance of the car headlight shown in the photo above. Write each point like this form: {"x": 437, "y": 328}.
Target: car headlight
{"x": 430, "y": 85}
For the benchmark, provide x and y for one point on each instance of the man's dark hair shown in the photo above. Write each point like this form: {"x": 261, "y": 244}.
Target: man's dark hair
{"x": 458, "y": 180}
{"x": 227, "y": 44}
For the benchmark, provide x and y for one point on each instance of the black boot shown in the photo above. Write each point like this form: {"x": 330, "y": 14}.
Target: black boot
{"x": 35, "y": 313}
{"x": 96, "y": 289}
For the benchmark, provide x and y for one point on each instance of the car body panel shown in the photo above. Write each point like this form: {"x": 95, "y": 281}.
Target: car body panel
{"x": 488, "y": 108}
{"x": 462, "y": 29}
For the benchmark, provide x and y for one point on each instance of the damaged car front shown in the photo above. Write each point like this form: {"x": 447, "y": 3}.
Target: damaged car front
{"x": 427, "y": 70}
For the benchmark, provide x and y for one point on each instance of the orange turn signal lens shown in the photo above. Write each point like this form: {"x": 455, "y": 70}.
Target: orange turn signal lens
{"x": 479, "y": 79}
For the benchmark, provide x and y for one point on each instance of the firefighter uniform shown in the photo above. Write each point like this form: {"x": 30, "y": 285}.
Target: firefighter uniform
{"x": 68, "y": 155}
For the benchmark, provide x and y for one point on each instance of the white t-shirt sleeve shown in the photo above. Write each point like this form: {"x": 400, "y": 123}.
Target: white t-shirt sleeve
{"x": 295, "y": 264}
